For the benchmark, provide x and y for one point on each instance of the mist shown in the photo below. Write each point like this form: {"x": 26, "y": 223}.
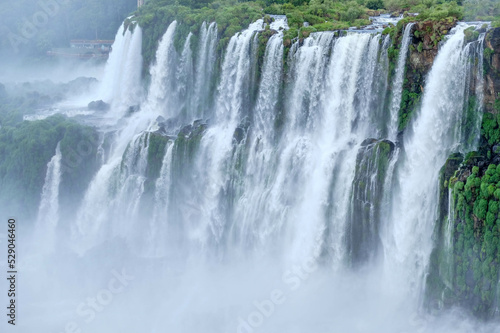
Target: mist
{"x": 219, "y": 177}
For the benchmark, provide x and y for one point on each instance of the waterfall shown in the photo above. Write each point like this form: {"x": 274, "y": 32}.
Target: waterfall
{"x": 184, "y": 78}
{"x": 397, "y": 83}
{"x": 216, "y": 161}
{"x": 435, "y": 134}
{"x": 446, "y": 256}
{"x": 326, "y": 124}
{"x": 471, "y": 123}
{"x": 163, "y": 182}
{"x": 380, "y": 87}
{"x": 240, "y": 165}
{"x": 288, "y": 153}
{"x": 269, "y": 88}
{"x": 121, "y": 84}
{"x": 111, "y": 204}
{"x": 233, "y": 91}
{"x": 162, "y": 74}
{"x": 291, "y": 197}
{"x": 114, "y": 65}
{"x": 160, "y": 226}
{"x": 204, "y": 69}
{"x": 254, "y": 218}
{"x": 48, "y": 211}
{"x": 130, "y": 185}
{"x": 113, "y": 198}
{"x": 372, "y": 165}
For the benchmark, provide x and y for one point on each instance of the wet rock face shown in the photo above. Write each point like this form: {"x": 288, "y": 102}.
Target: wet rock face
{"x": 423, "y": 49}
{"x": 493, "y": 42}
{"x": 98, "y": 106}
{"x": 426, "y": 36}
{"x": 492, "y": 71}
{"x": 372, "y": 163}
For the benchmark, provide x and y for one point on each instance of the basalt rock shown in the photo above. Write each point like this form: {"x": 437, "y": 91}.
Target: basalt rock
{"x": 132, "y": 109}
{"x": 423, "y": 49}
{"x": 372, "y": 163}
{"x": 98, "y": 106}
{"x": 492, "y": 71}
{"x": 240, "y": 133}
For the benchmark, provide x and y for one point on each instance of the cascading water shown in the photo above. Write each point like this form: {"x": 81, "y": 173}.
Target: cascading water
{"x": 130, "y": 186}
{"x": 204, "y": 69}
{"x": 471, "y": 124}
{"x": 326, "y": 124}
{"x": 159, "y": 95}
{"x": 48, "y": 211}
{"x": 290, "y": 171}
{"x": 178, "y": 87}
{"x": 250, "y": 210}
{"x": 121, "y": 84}
{"x": 372, "y": 166}
{"x": 160, "y": 227}
{"x": 116, "y": 192}
{"x": 380, "y": 88}
{"x": 184, "y": 78}
{"x": 435, "y": 134}
{"x": 217, "y": 157}
{"x": 397, "y": 84}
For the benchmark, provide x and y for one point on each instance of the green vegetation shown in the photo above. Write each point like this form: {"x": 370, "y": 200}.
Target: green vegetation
{"x": 156, "y": 151}
{"x": 374, "y": 159}
{"x": 441, "y": 266}
{"x": 10, "y": 108}
{"x": 17, "y": 100}
{"x": 470, "y": 34}
{"x": 183, "y": 160}
{"x": 233, "y": 16}
{"x": 27, "y": 147}
{"x": 321, "y": 15}
{"x": 466, "y": 270}
{"x": 429, "y": 29}
{"x": 483, "y": 10}
{"x": 490, "y": 128}
{"x": 187, "y": 144}
{"x": 155, "y": 16}
{"x": 409, "y": 101}
{"x": 476, "y": 238}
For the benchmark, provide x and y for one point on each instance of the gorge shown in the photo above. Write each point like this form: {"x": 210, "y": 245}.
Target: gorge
{"x": 335, "y": 181}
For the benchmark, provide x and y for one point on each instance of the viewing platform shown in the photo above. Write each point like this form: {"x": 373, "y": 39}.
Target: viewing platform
{"x": 84, "y": 49}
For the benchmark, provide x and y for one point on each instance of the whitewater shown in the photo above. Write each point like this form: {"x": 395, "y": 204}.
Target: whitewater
{"x": 270, "y": 210}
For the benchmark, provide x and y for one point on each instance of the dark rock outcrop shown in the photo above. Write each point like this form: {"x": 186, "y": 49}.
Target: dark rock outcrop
{"x": 492, "y": 71}
{"x": 98, "y": 106}
{"x": 372, "y": 164}
{"x": 423, "y": 49}
{"x": 132, "y": 109}
{"x": 426, "y": 36}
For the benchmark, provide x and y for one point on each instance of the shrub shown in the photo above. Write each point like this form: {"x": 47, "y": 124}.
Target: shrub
{"x": 489, "y": 129}
{"x": 375, "y": 4}
{"x": 493, "y": 207}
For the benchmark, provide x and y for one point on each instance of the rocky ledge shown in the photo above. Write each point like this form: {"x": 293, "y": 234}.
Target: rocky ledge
{"x": 492, "y": 71}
